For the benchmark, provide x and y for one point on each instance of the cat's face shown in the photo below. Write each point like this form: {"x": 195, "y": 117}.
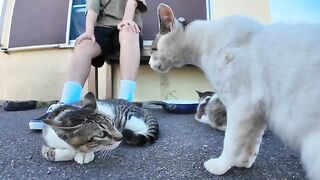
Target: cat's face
{"x": 162, "y": 49}
{"x": 204, "y": 98}
{"x": 84, "y": 129}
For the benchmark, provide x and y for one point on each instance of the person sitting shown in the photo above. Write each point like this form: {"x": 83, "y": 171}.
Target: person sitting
{"x": 111, "y": 26}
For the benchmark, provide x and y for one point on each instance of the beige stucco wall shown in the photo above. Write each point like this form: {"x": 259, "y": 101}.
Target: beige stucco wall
{"x": 26, "y": 75}
{"x": 40, "y": 74}
{"x": 177, "y": 84}
{"x": 258, "y": 10}
{"x": 37, "y": 75}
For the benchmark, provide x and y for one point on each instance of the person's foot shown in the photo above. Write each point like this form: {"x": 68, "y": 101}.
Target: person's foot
{"x": 37, "y": 124}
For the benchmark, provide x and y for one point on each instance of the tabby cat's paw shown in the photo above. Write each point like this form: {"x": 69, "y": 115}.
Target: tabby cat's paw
{"x": 83, "y": 158}
{"x": 48, "y": 152}
{"x": 216, "y": 166}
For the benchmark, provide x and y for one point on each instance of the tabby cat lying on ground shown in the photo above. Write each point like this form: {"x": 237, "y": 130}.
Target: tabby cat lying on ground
{"x": 211, "y": 110}
{"x": 76, "y": 133}
{"x": 263, "y": 74}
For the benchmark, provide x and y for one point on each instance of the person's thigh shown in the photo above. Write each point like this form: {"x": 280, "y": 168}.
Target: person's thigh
{"x": 104, "y": 38}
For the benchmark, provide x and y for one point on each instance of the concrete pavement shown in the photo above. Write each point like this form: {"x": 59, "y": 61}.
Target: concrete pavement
{"x": 183, "y": 146}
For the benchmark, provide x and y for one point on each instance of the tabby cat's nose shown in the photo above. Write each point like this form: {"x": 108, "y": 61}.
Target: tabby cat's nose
{"x": 118, "y": 138}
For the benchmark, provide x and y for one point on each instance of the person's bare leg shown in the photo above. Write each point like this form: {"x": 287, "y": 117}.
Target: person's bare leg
{"x": 129, "y": 62}
{"x": 79, "y": 70}
{"x": 129, "y": 54}
{"x": 80, "y": 66}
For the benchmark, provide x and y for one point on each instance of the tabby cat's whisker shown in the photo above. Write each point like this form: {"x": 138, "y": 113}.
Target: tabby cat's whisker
{"x": 103, "y": 153}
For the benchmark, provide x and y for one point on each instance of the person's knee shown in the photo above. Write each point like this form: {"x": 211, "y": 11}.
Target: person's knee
{"x": 85, "y": 47}
{"x": 126, "y": 36}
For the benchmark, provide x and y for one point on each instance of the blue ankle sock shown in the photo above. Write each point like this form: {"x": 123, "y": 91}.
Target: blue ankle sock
{"x": 127, "y": 88}
{"x": 71, "y": 92}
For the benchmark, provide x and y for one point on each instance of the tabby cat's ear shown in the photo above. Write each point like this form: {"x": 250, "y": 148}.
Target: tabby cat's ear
{"x": 62, "y": 125}
{"x": 165, "y": 18}
{"x": 89, "y": 101}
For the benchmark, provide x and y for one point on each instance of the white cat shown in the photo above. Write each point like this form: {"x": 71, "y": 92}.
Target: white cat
{"x": 265, "y": 75}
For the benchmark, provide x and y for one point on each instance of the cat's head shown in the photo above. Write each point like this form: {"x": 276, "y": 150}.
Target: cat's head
{"x": 163, "y": 50}
{"x": 204, "y": 98}
{"x": 85, "y": 129}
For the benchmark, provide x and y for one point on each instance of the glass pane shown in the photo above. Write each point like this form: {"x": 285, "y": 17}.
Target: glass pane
{"x": 1, "y": 17}
{"x": 77, "y": 25}
{"x": 1, "y": 5}
{"x": 41, "y": 28}
{"x": 76, "y": 2}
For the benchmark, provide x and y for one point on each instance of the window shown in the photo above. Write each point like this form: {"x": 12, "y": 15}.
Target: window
{"x": 38, "y": 22}
{"x": 77, "y": 19}
{"x": 2, "y": 12}
{"x": 295, "y": 11}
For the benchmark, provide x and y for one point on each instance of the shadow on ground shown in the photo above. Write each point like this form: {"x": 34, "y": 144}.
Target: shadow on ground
{"x": 183, "y": 146}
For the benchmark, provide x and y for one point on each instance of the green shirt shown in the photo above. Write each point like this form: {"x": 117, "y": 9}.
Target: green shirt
{"x": 110, "y": 12}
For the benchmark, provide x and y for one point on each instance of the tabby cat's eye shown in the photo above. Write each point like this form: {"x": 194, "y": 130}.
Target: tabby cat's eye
{"x": 154, "y": 49}
{"x": 103, "y": 134}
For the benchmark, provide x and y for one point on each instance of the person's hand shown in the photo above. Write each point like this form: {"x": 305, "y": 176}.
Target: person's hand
{"x": 128, "y": 25}
{"x": 85, "y": 35}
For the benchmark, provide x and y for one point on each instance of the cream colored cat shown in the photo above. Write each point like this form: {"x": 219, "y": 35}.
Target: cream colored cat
{"x": 264, "y": 75}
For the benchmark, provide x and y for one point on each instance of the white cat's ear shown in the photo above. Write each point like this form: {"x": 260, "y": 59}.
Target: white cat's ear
{"x": 165, "y": 18}
{"x": 199, "y": 93}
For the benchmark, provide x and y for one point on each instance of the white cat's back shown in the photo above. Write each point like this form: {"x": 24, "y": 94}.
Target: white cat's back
{"x": 276, "y": 64}
{"x": 286, "y": 68}
{"x": 220, "y": 33}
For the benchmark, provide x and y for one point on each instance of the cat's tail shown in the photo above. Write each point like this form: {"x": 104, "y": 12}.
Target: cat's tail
{"x": 150, "y": 137}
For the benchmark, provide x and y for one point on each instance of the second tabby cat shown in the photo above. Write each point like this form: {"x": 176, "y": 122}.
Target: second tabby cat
{"x": 76, "y": 133}
{"x": 211, "y": 110}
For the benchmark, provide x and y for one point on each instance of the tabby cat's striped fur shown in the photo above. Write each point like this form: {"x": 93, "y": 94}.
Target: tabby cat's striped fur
{"x": 76, "y": 133}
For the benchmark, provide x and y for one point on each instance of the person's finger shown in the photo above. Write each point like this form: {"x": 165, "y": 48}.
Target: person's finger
{"x": 128, "y": 28}
{"x": 124, "y": 27}
{"x": 133, "y": 29}
{"x": 120, "y": 25}
{"x": 137, "y": 30}
{"x": 79, "y": 39}
{"x": 93, "y": 39}
{"x": 76, "y": 40}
